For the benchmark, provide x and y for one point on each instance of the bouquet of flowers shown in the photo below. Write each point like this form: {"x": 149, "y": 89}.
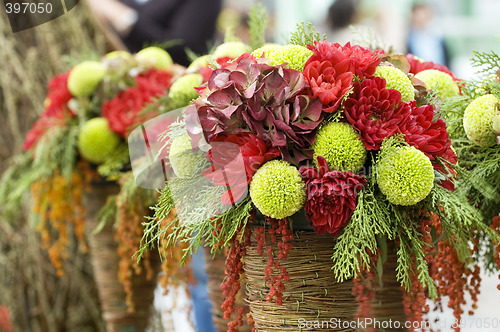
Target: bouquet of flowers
{"x": 80, "y": 140}
{"x": 347, "y": 136}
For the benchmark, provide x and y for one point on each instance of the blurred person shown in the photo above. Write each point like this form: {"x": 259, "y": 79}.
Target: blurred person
{"x": 424, "y": 38}
{"x": 187, "y": 23}
{"x": 342, "y": 14}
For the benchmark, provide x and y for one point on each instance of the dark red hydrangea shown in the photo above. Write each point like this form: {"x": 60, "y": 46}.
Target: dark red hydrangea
{"x": 331, "y": 197}
{"x": 374, "y": 111}
{"x": 235, "y": 159}
{"x": 250, "y": 96}
{"x": 122, "y": 111}
{"x": 56, "y": 110}
{"x": 425, "y": 133}
{"x": 417, "y": 66}
{"x": 330, "y": 70}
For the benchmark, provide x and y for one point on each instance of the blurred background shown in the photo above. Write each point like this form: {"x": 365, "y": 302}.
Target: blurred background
{"x": 464, "y": 25}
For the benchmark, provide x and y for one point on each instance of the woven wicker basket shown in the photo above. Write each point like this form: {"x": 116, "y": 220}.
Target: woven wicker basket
{"x": 105, "y": 260}
{"x": 311, "y": 296}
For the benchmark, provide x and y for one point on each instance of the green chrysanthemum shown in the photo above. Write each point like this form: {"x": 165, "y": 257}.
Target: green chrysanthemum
{"x": 405, "y": 175}
{"x": 155, "y": 57}
{"x": 341, "y": 146}
{"x": 478, "y": 120}
{"x": 295, "y": 55}
{"x": 231, "y": 49}
{"x": 182, "y": 90}
{"x": 96, "y": 140}
{"x": 277, "y": 189}
{"x": 397, "y": 80}
{"x": 182, "y": 158}
{"x": 441, "y": 81}
{"x": 85, "y": 77}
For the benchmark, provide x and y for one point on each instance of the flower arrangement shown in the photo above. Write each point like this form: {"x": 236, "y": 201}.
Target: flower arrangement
{"x": 351, "y": 136}
{"x": 80, "y": 140}
{"x": 347, "y": 134}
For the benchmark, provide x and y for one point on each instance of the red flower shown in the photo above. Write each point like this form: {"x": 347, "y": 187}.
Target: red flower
{"x": 155, "y": 80}
{"x": 235, "y": 159}
{"x": 5, "y": 323}
{"x": 56, "y": 110}
{"x": 331, "y": 197}
{"x": 331, "y": 68}
{"x": 417, "y": 66}
{"x": 58, "y": 96}
{"x": 422, "y": 132}
{"x": 376, "y": 112}
{"x": 122, "y": 111}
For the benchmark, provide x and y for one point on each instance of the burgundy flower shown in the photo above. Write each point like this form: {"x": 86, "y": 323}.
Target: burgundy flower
{"x": 425, "y": 133}
{"x": 374, "y": 111}
{"x": 122, "y": 111}
{"x": 331, "y": 197}
{"x": 235, "y": 159}
{"x": 250, "y": 96}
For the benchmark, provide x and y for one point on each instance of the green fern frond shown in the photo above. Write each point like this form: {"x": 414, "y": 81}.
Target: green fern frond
{"x": 257, "y": 22}
{"x": 305, "y": 35}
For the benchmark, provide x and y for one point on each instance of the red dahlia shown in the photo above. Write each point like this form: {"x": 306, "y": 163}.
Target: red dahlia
{"x": 235, "y": 159}
{"x": 422, "y": 132}
{"x": 331, "y": 197}
{"x": 374, "y": 111}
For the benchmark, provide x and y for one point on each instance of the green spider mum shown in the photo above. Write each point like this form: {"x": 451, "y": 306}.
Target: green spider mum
{"x": 277, "y": 189}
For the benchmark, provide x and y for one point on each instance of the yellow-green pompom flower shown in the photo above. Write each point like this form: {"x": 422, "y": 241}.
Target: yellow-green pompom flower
{"x": 478, "y": 120}
{"x": 341, "y": 146}
{"x": 231, "y": 50}
{"x": 405, "y": 175}
{"x": 199, "y": 62}
{"x": 184, "y": 161}
{"x": 155, "y": 57}
{"x": 397, "y": 80}
{"x": 295, "y": 55}
{"x": 85, "y": 77}
{"x": 96, "y": 141}
{"x": 442, "y": 82}
{"x": 182, "y": 90}
{"x": 277, "y": 189}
